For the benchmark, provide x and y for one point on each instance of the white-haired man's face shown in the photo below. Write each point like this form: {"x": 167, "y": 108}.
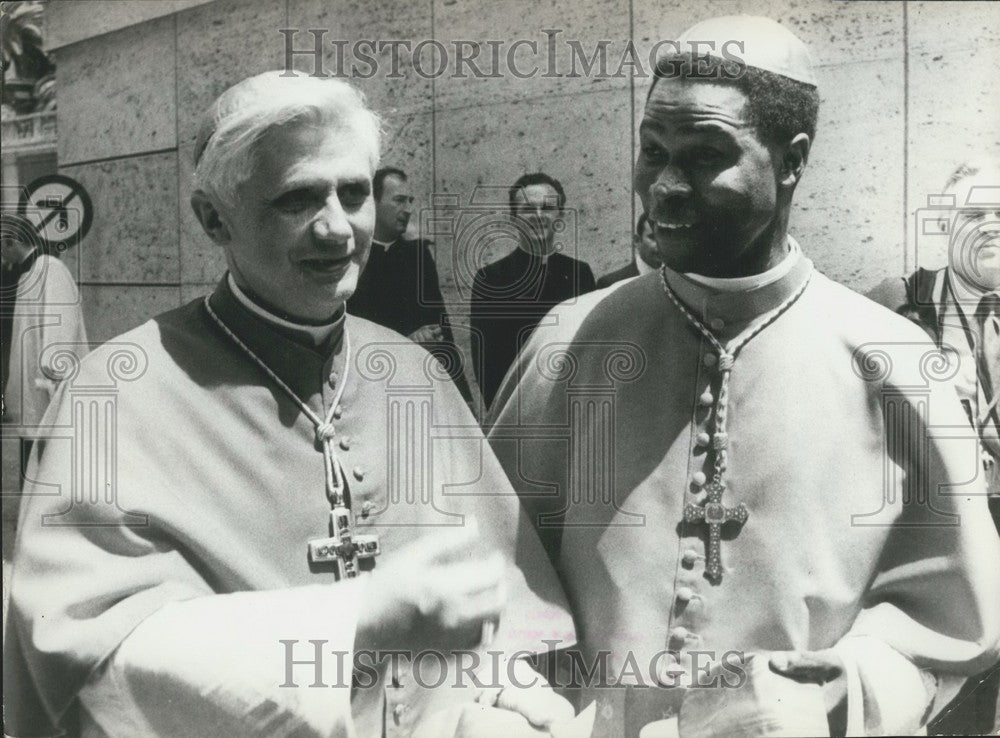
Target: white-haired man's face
{"x": 299, "y": 234}
{"x": 975, "y": 229}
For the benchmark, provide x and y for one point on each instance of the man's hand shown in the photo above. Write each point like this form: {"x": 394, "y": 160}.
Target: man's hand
{"x": 526, "y": 707}
{"x": 824, "y": 668}
{"x": 529, "y": 695}
{"x": 479, "y": 721}
{"x": 436, "y": 594}
{"x": 430, "y": 333}
{"x": 819, "y": 667}
{"x": 765, "y": 695}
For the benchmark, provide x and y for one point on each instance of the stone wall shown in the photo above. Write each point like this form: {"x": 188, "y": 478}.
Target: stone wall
{"x": 906, "y": 95}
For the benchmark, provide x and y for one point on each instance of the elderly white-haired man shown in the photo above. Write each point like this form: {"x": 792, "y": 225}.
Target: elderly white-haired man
{"x": 292, "y": 493}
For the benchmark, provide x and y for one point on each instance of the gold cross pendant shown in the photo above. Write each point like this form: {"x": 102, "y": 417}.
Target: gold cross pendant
{"x": 342, "y": 548}
{"x": 713, "y": 513}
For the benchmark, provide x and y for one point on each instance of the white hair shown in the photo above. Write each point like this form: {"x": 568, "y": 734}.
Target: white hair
{"x": 971, "y": 169}
{"x": 244, "y": 113}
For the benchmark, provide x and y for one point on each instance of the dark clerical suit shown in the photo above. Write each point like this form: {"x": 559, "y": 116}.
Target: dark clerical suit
{"x": 626, "y": 272}
{"x": 509, "y": 298}
{"x": 929, "y": 299}
{"x": 399, "y": 289}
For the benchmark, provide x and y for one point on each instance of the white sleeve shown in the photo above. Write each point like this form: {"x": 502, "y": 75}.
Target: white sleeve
{"x": 268, "y": 663}
{"x": 887, "y": 694}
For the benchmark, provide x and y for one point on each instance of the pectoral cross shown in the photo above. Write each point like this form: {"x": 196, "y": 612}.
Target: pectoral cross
{"x": 714, "y": 514}
{"x": 343, "y": 548}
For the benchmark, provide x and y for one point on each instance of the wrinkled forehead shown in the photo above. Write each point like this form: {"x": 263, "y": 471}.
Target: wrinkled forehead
{"x": 678, "y": 94}
{"x": 537, "y": 194}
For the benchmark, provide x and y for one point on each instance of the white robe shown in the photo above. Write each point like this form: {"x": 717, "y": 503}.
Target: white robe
{"x": 48, "y": 338}
{"x": 868, "y": 530}
{"x": 161, "y": 562}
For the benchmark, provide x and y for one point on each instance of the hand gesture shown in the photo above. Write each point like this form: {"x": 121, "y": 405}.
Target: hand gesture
{"x": 436, "y": 594}
{"x": 430, "y": 333}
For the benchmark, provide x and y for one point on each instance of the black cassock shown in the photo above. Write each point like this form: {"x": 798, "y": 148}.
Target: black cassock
{"x": 509, "y": 299}
{"x": 399, "y": 289}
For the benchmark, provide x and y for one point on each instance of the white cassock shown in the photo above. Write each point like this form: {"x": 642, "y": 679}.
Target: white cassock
{"x": 867, "y": 528}
{"x": 47, "y": 323}
{"x": 161, "y": 584}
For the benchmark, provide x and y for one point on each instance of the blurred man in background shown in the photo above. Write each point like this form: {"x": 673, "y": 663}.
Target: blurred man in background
{"x": 399, "y": 287}
{"x": 645, "y": 257}
{"x": 512, "y": 295}
{"x": 959, "y": 307}
{"x": 39, "y": 313}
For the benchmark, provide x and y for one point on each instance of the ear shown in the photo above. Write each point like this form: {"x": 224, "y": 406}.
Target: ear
{"x": 794, "y": 160}
{"x": 210, "y": 218}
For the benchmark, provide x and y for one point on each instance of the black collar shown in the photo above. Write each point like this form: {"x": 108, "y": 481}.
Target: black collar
{"x": 290, "y": 354}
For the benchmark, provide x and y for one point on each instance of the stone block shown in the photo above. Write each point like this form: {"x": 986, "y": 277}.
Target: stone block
{"x": 357, "y": 45}
{"x": 219, "y": 44}
{"x": 519, "y": 52}
{"x": 848, "y": 213}
{"x": 70, "y": 21}
{"x": 835, "y": 33}
{"x": 954, "y": 119}
{"x": 409, "y": 146}
{"x": 191, "y": 292}
{"x": 117, "y": 93}
{"x": 950, "y": 28}
{"x": 112, "y": 310}
{"x": 134, "y": 234}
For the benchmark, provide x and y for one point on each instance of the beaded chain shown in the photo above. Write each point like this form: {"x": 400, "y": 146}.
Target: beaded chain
{"x": 325, "y": 430}
{"x": 727, "y": 357}
{"x": 714, "y": 513}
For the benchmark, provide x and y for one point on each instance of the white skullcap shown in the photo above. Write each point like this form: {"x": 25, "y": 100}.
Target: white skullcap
{"x": 759, "y": 42}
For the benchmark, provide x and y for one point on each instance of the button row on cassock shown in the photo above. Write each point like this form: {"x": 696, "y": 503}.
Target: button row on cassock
{"x": 680, "y": 636}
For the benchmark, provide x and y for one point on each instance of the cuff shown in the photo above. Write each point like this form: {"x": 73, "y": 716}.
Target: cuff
{"x": 887, "y": 694}
{"x": 250, "y": 663}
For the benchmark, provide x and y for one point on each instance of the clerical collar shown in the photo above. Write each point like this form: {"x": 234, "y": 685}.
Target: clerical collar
{"x": 754, "y": 281}
{"x": 966, "y": 294}
{"x": 319, "y": 334}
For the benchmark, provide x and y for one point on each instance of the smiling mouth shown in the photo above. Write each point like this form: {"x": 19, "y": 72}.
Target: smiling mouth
{"x": 327, "y": 266}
